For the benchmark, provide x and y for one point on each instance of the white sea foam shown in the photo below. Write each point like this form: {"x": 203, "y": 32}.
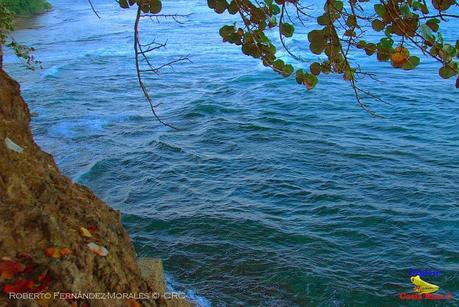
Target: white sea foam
{"x": 52, "y": 72}
{"x": 191, "y": 295}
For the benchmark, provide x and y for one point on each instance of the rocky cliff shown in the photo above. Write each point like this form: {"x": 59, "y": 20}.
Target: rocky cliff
{"x": 58, "y": 241}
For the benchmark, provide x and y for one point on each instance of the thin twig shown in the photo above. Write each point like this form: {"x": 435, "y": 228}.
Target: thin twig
{"x": 94, "y": 9}
{"x": 137, "y": 65}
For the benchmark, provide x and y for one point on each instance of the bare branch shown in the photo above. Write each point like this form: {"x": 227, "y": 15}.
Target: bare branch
{"x": 141, "y": 53}
{"x": 94, "y": 9}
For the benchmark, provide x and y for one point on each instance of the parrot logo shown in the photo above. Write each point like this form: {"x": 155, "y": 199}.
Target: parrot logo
{"x": 423, "y": 287}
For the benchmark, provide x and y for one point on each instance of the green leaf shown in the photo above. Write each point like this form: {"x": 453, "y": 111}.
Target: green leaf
{"x": 433, "y": 24}
{"x": 317, "y": 47}
{"x": 233, "y": 8}
{"x": 323, "y": 19}
{"x": 380, "y": 10}
{"x": 145, "y": 6}
{"x": 351, "y": 21}
{"x": 350, "y": 33}
{"x": 449, "y": 50}
{"x": 287, "y": 29}
{"x": 325, "y": 67}
{"x": 275, "y": 9}
{"x": 155, "y": 6}
{"x": 334, "y": 6}
{"x": 226, "y": 31}
{"x": 447, "y": 72}
{"x": 382, "y": 56}
{"x": 417, "y": 5}
{"x": 124, "y": 4}
{"x": 443, "y": 5}
{"x": 272, "y": 22}
{"x": 386, "y": 44}
{"x": 310, "y": 81}
{"x": 212, "y": 3}
{"x": 427, "y": 33}
{"x": 251, "y": 49}
{"x": 288, "y": 70}
{"x": 299, "y": 76}
{"x": 378, "y": 25}
{"x": 370, "y": 49}
{"x": 361, "y": 44}
{"x": 279, "y": 65}
{"x": 316, "y": 36}
{"x": 411, "y": 63}
{"x": 348, "y": 75}
{"x": 405, "y": 10}
{"x": 219, "y": 6}
{"x": 315, "y": 68}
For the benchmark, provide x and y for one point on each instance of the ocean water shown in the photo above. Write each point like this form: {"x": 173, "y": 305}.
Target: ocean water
{"x": 267, "y": 194}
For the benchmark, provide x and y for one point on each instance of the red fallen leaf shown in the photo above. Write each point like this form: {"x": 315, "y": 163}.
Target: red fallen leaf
{"x": 19, "y": 286}
{"x": 56, "y": 252}
{"x": 134, "y": 303}
{"x": 29, "y": 269}
{"x": 53, "y": 252}
{"x": 45, "y": 278}
{"x": 92, "y": 228}
{"x": 45, "y": 281}
{"x": 65, "y": 251}
{"x": 9, "y": 268}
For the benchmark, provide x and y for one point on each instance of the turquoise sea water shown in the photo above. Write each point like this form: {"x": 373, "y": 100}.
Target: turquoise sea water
{"x": 267, "y": 195}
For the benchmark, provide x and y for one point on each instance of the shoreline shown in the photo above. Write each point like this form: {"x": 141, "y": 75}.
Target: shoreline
{"x": 27, "y": 22}
{"x": 28, "y": 8}
{"x": 23, "y": 22}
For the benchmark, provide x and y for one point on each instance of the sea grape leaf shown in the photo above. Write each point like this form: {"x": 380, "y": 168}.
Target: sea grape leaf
{"x": 411, "y": 63}
{"x": 155, "y": 6}
{"x": 315, "y": 68}
{"x": 287, "y": 29}
{"x": 124, "y": 4}
{"x": 380, "y": 10}
{"x": 447, "y": 72}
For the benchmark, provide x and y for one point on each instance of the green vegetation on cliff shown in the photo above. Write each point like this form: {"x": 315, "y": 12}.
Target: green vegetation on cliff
{"x": 26, "y": 7}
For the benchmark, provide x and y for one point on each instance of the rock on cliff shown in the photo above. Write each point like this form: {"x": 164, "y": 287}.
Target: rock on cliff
{"x": 53, "y": 232}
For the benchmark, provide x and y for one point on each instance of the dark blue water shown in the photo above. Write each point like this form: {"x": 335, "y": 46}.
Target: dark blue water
{"x": 267, "y": 195}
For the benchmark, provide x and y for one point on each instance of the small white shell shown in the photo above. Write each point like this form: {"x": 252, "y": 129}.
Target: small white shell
{"x": 97, "y": 249}
{"x": 13, "y": 146}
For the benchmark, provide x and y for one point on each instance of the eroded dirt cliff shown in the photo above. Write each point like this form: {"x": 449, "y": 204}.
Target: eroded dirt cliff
{"x": 54, "y": 234}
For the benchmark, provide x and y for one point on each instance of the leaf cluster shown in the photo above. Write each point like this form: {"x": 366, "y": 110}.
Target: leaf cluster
{"x": 23, "y": 52}
{"x": 405, "y": 28}
{"x": 147, "y": 6}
